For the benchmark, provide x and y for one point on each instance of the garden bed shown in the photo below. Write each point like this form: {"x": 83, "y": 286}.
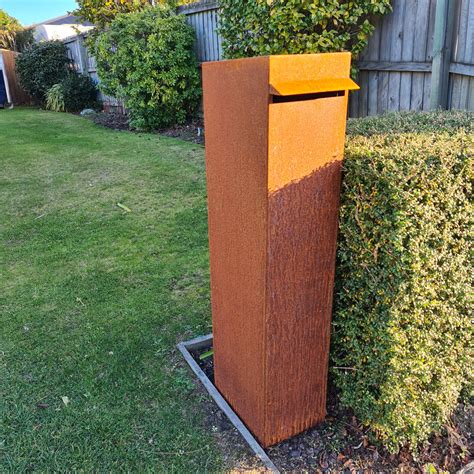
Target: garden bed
{"x": 342, "y": 444}
{"x": 113, "y": 120}
{"x": 192, "y": 131}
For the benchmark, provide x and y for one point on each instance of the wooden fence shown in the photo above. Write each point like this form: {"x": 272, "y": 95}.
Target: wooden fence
{"x": 418, "y": 37}
{"x": 84, "y": 63}
{"x": 396, "y": 68}
{"x": 15, "y": 93}
{"x": 204, "y": 18}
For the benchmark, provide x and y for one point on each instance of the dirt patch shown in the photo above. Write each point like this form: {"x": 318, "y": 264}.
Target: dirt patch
{"x": 342, "y": 444}
{"x": 192, "y": 131}
{"x": 111, "y": 120}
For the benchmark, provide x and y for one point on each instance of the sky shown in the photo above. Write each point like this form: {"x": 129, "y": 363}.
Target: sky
{"x": 35, "y": 11}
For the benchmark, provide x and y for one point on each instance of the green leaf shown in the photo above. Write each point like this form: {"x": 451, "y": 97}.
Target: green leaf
{"x": 206, "y": 354}
{"x": 125, "y": 208}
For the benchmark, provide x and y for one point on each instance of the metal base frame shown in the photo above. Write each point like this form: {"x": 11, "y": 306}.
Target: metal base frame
{"x": 204, "y": 342}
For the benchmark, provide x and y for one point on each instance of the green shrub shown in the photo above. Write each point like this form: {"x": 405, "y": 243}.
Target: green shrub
{"x": 74, "y": 93}
{"x": 401, "y": 347}
{"x": 410, "y": 122}
{"x": 293, "y": 26}
{"x": 42, "y": 66}
{"x": 55, "y": 99}
{"x": 79, "y": 91}
{"x": 147, "y": 59}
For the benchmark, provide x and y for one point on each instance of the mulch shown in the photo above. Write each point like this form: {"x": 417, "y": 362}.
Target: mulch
{"x": 192, "y": 131}
{"x": 111, "y": 120}
{"x": 342, "y": 444}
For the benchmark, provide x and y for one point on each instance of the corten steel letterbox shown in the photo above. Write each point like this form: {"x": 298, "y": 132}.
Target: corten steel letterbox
{"x": 275, "y": 131}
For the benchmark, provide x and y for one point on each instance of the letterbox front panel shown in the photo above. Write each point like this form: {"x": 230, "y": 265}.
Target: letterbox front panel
{"x": 303, "y": 136}
{"x": 306, "y": 141}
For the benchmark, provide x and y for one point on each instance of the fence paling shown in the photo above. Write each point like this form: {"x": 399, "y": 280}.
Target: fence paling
{"x": 84, "y": 63}
{"x": 443, "y": 36}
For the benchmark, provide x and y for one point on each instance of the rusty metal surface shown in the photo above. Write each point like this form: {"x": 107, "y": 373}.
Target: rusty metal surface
{"x": 304, "y": 187}
{"x": 273, "y": 176}
{"x": 206, "y": 342}
{"x": 306, "y": 87}
{"x": 309, "y": 67}
{"x": 303, "y": 136}
{"x": 235, "y": 114}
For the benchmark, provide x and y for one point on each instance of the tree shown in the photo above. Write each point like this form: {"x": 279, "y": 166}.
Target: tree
{"x": 102, "y": 12}
{"x": 12, "y": 35}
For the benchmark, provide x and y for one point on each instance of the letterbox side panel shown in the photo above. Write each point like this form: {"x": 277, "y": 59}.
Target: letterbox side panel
{"x": 306, "y": 144}
{"x": 236, "y": 120}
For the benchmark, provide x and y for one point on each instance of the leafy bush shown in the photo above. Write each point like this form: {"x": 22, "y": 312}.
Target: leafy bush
{"x": 42, "y": 66}
{"x": 55, "y": 99}
{"x": 420, "y": 123}
{"x": 146, "y": 58}
{"x": 79, "y": 92}
{"x": 295, "y": 26}
{"x": 401, "y": 346}
{"x": 74, "y": 93}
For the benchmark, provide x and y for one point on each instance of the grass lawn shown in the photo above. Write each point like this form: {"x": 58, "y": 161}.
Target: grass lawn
{"x": 94, "y": 298}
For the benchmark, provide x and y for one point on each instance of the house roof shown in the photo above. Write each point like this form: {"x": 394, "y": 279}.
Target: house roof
{"x": 67, "y": 19}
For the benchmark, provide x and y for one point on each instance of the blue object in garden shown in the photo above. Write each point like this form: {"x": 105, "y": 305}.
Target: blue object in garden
{"x": 3, "y": 90}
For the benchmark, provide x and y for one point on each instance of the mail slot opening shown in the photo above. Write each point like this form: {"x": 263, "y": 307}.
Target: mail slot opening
{"x": 300, "y": 97}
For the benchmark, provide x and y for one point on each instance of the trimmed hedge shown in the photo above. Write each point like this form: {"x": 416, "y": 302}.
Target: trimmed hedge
{"x": 401, "y": 347}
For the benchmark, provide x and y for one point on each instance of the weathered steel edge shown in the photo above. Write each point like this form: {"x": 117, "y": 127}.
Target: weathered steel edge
{"x": 206, "y": 341}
